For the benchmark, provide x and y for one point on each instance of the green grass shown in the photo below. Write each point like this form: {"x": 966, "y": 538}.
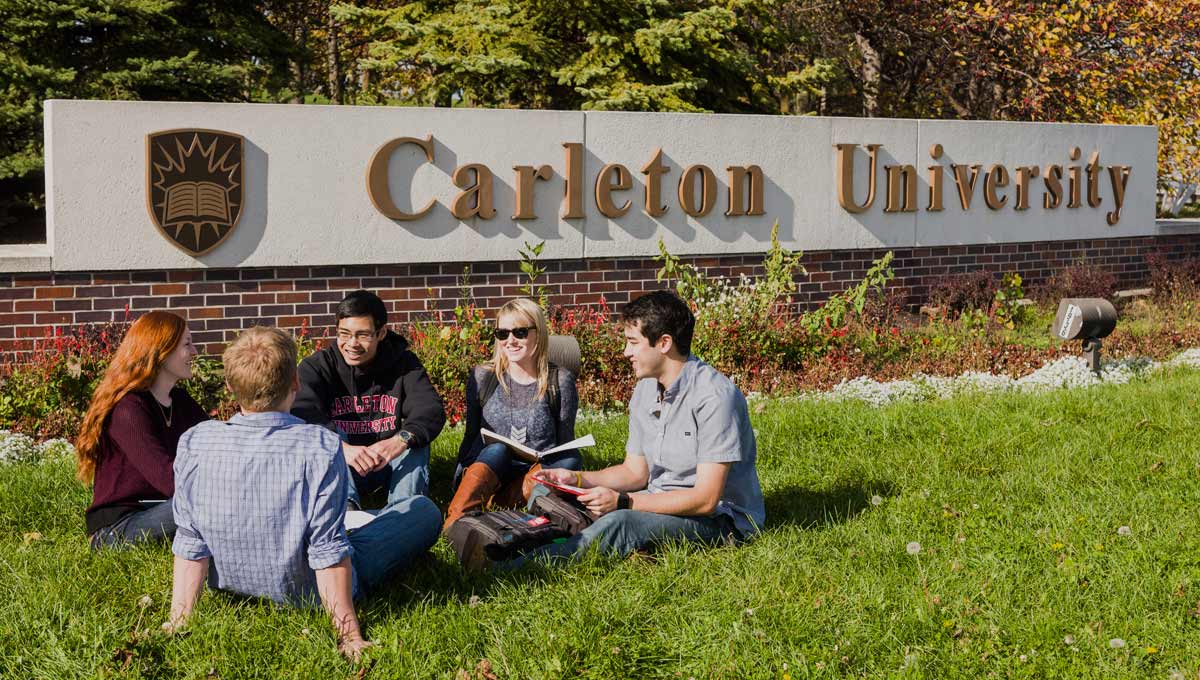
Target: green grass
{"x": 1015, "y": 500}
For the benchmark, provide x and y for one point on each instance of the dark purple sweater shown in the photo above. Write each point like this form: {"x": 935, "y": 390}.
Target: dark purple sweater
{"x": 136, "y": 452}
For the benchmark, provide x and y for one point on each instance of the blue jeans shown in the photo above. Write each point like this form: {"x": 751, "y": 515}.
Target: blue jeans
{"x": 157, "y": 523}
{"x": 622, "y": 532}
{"x": 508, "y": 467}
{"x": 406, "y": 475}
{"x": 401, "y": 532}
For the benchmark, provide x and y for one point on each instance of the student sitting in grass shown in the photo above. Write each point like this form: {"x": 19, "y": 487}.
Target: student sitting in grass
{"x": 689, "y": 462}
{"x": 260, "y": 503}
{"x": 372, "y": 390}
{"x": 126, "y": 444}
{"x": 527, "y": 400}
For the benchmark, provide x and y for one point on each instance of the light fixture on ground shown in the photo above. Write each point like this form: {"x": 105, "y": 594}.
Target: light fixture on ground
{"x": 1086, "y": 319}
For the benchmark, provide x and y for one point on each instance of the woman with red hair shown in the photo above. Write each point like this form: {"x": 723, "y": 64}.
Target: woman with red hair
{"x": 126, "y": 445}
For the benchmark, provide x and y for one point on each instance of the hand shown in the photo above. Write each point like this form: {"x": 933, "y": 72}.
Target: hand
{"x": 352, "y": 648}
{"x": 361, "y": 459}
{"x": 387, "y": 450}
{"x": 174, "y": 625}
{"x": 600, "y": 500}
{"x": 560, "y": 476}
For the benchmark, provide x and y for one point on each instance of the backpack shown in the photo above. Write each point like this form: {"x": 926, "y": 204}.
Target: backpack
{"x": 481, "y": 538}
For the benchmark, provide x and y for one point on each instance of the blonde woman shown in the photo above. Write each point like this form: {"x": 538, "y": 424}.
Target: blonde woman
{"x": 520, "y": 395}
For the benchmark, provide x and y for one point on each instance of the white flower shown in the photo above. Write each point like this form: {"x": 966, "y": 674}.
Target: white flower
{"x": 1069, "y": 639}
{"x": 876, "y": 500}
{"x": 1116, "y": 643}
{"x": 913, "y": 548}
{"x": 145, "y": 601}
{"x": 1124, "y": 531}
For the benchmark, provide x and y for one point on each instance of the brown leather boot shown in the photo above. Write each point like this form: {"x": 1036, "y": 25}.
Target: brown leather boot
{"x": 515, "y": 493}
{"x": 528, "y": 482}
{"x": 478, "y": 484}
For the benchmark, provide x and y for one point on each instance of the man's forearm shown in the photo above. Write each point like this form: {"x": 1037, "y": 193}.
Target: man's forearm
{"x": 187, "y": 586}
{"x": 618, "y": 478}
{"x": 336, "y": 590}
{"x": 680, "y": 502}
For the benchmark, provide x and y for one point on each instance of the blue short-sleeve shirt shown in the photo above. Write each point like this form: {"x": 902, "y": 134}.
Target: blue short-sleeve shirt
{"x": 701, "y": 418}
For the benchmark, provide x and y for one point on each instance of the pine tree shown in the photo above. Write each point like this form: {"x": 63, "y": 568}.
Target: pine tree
{"x": 213, "y": 50}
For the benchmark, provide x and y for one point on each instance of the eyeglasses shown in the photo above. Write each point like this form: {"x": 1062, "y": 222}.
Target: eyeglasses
{"x": 361, "y": 336}
{"x": 518, "y": 333}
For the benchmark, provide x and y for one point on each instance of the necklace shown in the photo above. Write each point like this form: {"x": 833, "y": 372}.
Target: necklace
{"x": 166, "y": 412}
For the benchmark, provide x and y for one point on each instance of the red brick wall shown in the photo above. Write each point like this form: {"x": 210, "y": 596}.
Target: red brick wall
{"x": 219, "y": 302}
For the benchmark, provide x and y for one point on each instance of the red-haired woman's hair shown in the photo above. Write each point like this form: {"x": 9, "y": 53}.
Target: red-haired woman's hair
{"x": 147, "y": 344}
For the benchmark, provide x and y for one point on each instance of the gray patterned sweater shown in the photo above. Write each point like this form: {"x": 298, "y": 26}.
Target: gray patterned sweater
{"x": 516, "y": 412}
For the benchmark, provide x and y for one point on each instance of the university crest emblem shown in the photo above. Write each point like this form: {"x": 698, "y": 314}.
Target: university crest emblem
{"x": 194, "y": 186}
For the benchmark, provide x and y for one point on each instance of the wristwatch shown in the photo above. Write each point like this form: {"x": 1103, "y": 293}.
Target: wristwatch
{"x": 405, "y": 436}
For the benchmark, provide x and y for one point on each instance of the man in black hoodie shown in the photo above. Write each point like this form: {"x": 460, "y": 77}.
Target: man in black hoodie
{"x": 373, "y": 391}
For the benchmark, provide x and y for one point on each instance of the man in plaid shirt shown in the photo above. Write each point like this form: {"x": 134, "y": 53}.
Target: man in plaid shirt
{"x": 260, "y": 502}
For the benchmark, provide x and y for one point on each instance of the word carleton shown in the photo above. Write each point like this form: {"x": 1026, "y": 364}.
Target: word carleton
{"x": 744, "y": 196}
{"x": 902, "y": 183}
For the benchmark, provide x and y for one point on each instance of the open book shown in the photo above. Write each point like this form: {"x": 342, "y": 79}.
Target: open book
{"x": 187, "y": 201}
{"x": 527, "y": 454}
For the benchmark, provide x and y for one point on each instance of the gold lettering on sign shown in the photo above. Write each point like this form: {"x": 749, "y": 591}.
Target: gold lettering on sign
{"x": 997, "y": 176}
{"x": 845, "y": 177}
{"x": 1024, "y": 173}
{"x": 965, "y": 182}
{"x": 687, "y": 190}
{"x": 1054, "y": 190}
{"x": 477, "y": 197}
{"x": 573, "y": 203}
{"x": 898, "y": 175}
{"x": 749, "y": 177}
{"x": 612, "y": 177}
{"x": 526, "y": 174}
{"x": 936, "y": 174}
{"x": 377, "y": 178}
{"x": 1074, "y": 183}
{"x": 1119, "y": 176}
{"x": 654, "y": 169}
{"x": 1093, "y": 180}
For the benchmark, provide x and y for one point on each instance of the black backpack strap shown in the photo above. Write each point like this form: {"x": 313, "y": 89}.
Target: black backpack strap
{"x": 488, "y": 387}
{"x": 554, "y": 398}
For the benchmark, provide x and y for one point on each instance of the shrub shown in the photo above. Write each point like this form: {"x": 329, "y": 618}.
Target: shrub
{"x": 739, "y": 323}
{"x": 1080, "y": 279}
{"x": 1173, "y": 279}
{"x": 959, "y": 293}
{"x": 605, "y": 377}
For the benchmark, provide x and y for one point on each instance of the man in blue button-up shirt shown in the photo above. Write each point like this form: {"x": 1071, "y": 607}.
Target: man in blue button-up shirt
{"x": 260, "y": 502}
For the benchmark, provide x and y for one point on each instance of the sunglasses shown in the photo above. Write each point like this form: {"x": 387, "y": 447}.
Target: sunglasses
{"x": 518, "y": 333}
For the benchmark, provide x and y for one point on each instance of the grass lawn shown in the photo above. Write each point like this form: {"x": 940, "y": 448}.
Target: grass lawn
{"x": 1017, "y": 503}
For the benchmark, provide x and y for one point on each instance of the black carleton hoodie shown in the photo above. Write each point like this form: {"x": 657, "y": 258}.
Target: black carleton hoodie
{"x": 373, "y": 402}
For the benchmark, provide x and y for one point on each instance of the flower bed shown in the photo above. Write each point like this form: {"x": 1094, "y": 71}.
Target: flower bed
{"x": 746, "y": 327}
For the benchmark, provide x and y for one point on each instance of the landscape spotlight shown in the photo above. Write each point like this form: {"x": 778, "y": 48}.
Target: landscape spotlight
{"x": 1087, "y": 319}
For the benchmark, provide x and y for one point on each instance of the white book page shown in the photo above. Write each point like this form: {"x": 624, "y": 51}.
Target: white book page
{"x": 358, "y": 518}
{"x": 490, "y": 437}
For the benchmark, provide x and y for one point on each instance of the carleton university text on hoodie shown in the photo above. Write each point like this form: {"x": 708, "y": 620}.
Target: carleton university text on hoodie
{"x": 369, "y": 403}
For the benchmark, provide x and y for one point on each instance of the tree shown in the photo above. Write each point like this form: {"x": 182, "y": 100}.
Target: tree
{"x": 666, "y": 55}
{"x": 202, "y": 50}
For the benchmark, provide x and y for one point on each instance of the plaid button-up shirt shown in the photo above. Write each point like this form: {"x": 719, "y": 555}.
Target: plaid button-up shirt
{"x": 263, "y": 495}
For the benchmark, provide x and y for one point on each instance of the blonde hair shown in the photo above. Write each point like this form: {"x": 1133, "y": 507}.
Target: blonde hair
{"x": 260, "y": 367}
{"x": 530, "y": 314}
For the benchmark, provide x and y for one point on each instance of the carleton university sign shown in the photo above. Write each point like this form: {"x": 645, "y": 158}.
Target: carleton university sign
{"x": 194, "y": 186}
{"x": 183, "y": 185}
